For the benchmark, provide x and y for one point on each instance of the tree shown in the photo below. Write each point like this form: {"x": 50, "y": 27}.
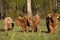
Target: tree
{"x": 29, "y": 11}
{"x": 1, "y": 4}
{"x": 51, "y": 6}
{"x": 55, "y": 5}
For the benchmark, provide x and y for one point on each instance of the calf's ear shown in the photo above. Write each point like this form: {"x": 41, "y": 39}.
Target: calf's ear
{"x": 57, "y": 16}
{"x": 49, "y": 15}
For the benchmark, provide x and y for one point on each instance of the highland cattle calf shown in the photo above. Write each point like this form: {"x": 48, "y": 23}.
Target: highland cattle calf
{"x": 23, "y": 21}
{"x": 36, "y": 23}
{"x": 52, "y": 22}
{"x": 8, "y": 23}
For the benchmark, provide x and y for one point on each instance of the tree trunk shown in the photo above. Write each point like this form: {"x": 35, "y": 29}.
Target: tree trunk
{"x": 55, "y": 5}
{"x": 29, "y": 11}
{"x": 51, "y": 6}
{"x": 1, "y": 1}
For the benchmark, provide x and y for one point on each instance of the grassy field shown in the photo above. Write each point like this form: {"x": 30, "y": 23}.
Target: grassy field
{"x": 16, "y": 34}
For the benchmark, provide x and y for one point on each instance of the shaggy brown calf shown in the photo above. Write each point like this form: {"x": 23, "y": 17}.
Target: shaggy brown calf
{"x": 23, "y": 21}
{"x": 36, "y": 23}
{"x": 8, "y": 23}
{"x": 52, "y": 22}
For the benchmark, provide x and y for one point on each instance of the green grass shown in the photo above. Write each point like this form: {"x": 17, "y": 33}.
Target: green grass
{"x": 15, "y": 34}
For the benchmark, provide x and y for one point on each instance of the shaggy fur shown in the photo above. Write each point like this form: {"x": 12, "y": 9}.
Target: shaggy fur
{"x": 36, "y": 23}
{"x": 33, "y": 22}
{"x": 52, "y": 22}
{"x": 23, "y": 21}
{"x": 8, "y": 23}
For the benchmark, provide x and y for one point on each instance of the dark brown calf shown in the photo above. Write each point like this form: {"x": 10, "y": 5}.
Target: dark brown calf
{"x": 52, "y": 22}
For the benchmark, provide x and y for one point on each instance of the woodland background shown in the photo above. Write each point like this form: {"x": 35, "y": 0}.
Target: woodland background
{"x": 14, "y": 8}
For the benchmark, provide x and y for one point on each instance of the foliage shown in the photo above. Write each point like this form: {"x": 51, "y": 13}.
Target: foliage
{"x": 14, "y": 8}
